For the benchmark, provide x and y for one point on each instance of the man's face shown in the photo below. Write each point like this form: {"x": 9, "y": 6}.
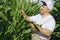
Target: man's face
{"x": 44, "y": 9}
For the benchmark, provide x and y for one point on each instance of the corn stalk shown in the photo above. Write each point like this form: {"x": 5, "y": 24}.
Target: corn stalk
{"x": 12, "y": 24}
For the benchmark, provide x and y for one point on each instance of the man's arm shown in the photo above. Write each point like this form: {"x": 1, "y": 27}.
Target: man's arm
{"x": 44, "y": 31}
{"x": 25, "y": 16}
{"x": 32, "y": 25}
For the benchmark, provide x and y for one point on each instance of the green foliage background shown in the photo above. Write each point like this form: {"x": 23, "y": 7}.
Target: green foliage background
{"x": 12, "y": 24}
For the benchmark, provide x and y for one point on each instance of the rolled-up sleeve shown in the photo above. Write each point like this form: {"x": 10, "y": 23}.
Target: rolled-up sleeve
{"x": 34, "y": 18}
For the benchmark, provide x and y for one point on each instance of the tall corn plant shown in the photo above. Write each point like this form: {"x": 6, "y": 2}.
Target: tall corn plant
{"x": 56, "y": 13}
{"x": 12, "y": 24}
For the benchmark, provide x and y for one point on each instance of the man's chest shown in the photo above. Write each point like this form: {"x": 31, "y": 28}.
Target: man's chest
{"x": 42, "y": 21}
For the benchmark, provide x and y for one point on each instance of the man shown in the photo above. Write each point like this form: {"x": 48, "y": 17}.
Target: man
{"x": 45, "y": 20}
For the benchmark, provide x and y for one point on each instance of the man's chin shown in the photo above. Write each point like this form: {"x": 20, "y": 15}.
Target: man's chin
{"x": 41, "y": 12}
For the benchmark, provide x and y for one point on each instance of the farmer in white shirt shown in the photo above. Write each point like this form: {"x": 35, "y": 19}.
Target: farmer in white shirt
{"x": 45, "y": 21}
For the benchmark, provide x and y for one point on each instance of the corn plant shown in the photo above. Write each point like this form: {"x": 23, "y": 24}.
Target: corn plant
{"x": 12, "y": 24}
{"x": 56, "y": 13}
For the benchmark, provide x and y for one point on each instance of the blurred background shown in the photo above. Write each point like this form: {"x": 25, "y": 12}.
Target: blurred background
{"x": 12, "y": 24}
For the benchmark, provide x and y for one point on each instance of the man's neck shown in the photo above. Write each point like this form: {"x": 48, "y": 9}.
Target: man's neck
{"x": 45, "y": 14}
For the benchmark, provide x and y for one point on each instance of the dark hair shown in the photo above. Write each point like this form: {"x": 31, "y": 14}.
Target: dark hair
{"x": 44, "y": 4}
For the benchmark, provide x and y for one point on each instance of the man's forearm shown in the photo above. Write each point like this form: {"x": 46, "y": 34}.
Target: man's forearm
{"x": 32, "y": 25}
{"x": 25, "y": 16}
{"x": 44, "y": 31}
{"x": 29, "y": 19}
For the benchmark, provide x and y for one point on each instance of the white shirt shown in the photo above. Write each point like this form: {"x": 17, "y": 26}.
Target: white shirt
{"x": 47, "y": 22}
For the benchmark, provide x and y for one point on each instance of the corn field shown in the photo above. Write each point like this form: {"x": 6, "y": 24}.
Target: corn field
{"x": 14, "y": 27}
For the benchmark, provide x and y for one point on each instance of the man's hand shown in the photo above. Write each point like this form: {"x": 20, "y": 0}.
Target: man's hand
{"x": 23, "y": 13}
